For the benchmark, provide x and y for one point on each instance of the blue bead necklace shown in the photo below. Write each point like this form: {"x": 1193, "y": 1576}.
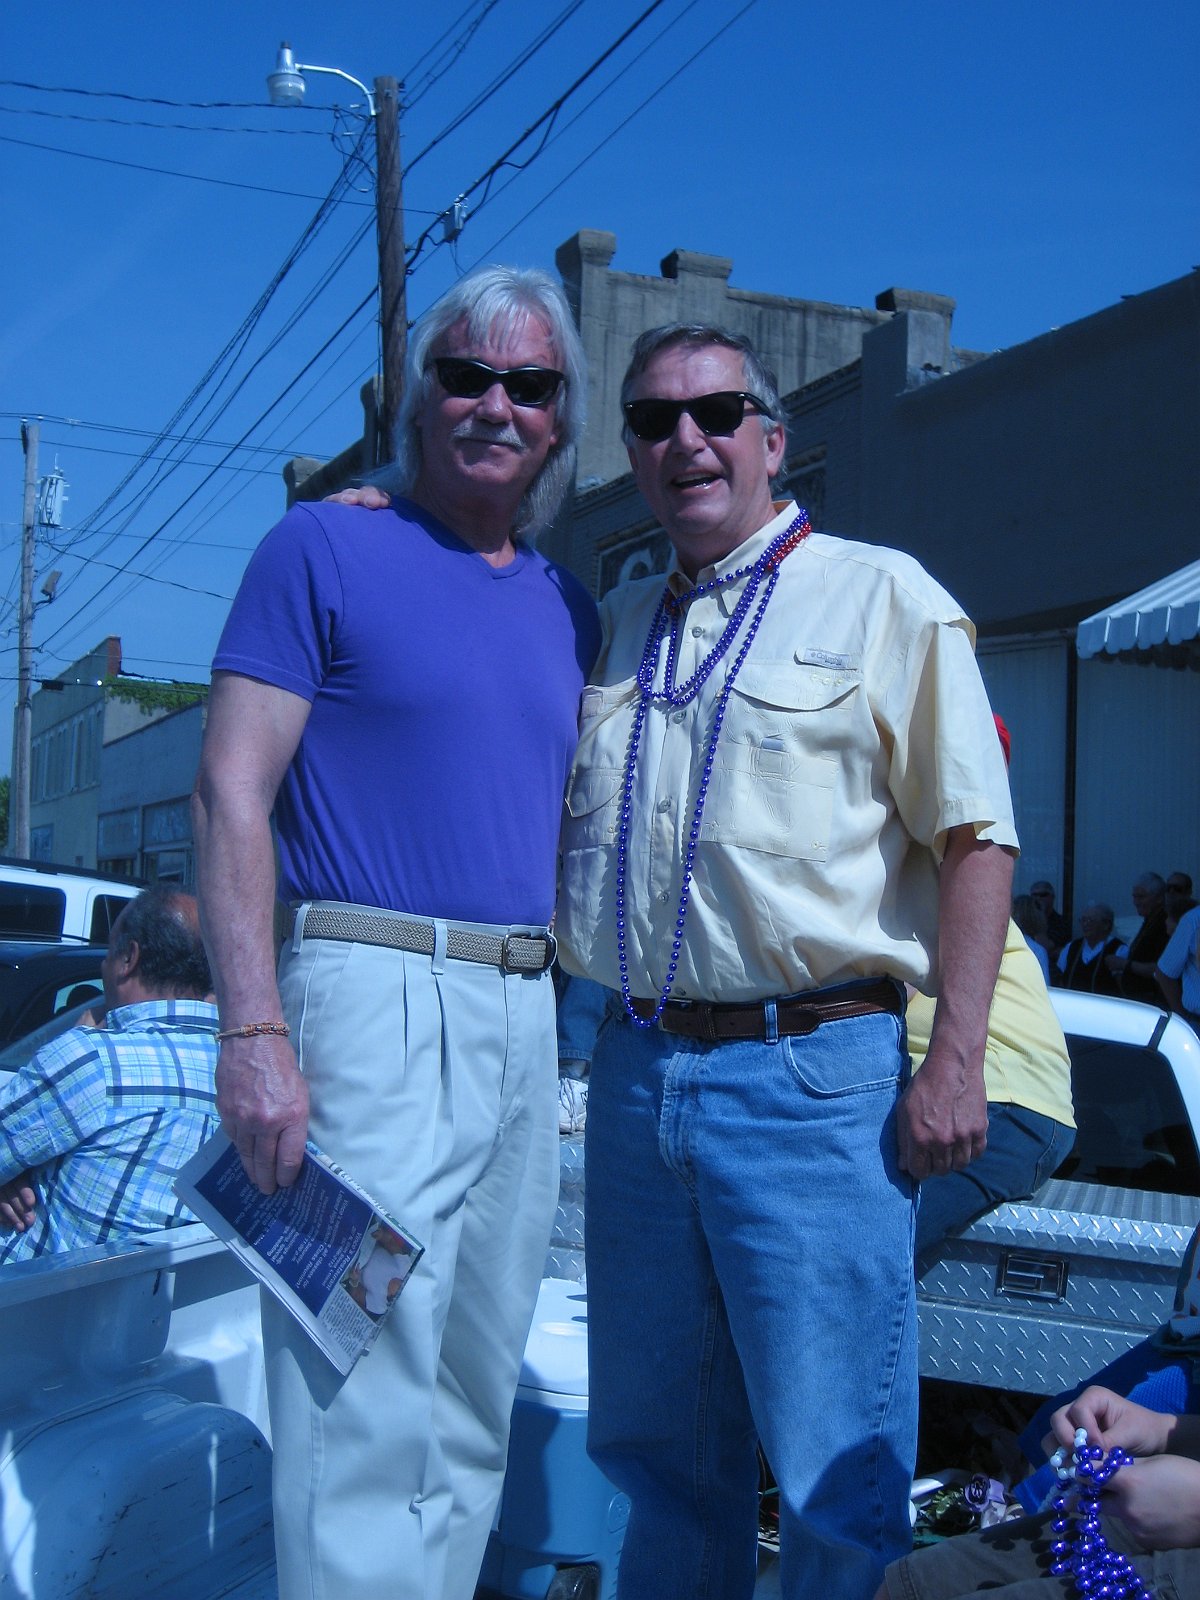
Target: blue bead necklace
{"x": 1082, "y": 1552}
{"x": 666, "y": 622}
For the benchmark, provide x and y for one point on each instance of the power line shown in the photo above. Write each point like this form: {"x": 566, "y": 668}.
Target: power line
{"x": 140, "y": 455}
{"x": 196, "y": 544}
{"x": 237, "y": 343}
{"x": 144, "y": 100}
{"x": 521, "y": 59}
{"x": 170, "y": 583}
{"x": 143, "y": 122}
{"x": 176, "y": 461}
{"x": 211, "y": 509}
{"x": 132, "y": 433}
{"x": 108, "y": 582}
{"x": 484, "y": 6}
{"x": 547, "y": 117}
{"x": 624, "y": 122}
{"x": 168, "y": 172}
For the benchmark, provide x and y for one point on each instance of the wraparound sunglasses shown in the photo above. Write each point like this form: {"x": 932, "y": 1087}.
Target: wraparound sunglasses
{"x": 524, "y": 386}
{"x": 719, "y": 414}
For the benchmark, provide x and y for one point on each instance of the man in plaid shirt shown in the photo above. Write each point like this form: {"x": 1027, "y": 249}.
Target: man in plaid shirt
{"x": 94, "y": 1128}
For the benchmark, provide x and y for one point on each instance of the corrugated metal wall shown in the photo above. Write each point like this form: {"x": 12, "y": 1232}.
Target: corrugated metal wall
{"x": 1137, "y": 769}
{"x": 1027, "y": 685}
{"x": 1138, "y": 784}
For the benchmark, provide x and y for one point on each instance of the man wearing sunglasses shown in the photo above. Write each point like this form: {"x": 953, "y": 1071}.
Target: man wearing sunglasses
{"x": 787, "y": 770}
{"x": 402, "y": 687}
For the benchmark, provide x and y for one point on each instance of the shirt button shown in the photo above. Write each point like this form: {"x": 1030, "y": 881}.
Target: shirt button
{"x": 664, "y": 805}
{"x": 677, "y": 716}
{"x": 697, "y": 632}
{"x": 663, "y": 896}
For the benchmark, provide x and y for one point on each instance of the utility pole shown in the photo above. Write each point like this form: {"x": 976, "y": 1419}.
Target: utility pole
{"x": 18, "y": 833}
{"x": 285, "y": 87}
{"x": 389, "y": 226}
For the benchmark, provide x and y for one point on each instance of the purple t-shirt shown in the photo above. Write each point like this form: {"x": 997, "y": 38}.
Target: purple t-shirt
{"x": 445, "y": 697}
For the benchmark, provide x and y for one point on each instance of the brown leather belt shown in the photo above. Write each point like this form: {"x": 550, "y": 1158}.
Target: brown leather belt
{"x": 797, "y": 1014}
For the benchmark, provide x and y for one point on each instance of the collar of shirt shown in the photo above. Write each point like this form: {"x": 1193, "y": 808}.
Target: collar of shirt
{"x": 745, "y": 555}
{"x": 169, "y": 1013}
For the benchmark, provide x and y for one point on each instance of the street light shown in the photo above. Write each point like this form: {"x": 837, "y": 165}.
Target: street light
{"x": 285, "y": 87}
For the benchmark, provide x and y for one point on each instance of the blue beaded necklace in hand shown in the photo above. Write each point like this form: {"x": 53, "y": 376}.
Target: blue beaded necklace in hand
{"x": 1082, "y": 1552}
{"x": 666, "y": 626}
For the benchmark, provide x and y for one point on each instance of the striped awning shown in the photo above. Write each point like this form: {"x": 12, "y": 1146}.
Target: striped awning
{"x": 1164, "y": 615}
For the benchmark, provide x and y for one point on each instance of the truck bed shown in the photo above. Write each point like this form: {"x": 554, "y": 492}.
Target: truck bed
{"x": 1037, "y": 1295}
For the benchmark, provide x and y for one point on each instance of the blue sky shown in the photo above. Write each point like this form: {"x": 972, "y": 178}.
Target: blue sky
{"x": 1035, "y": 160}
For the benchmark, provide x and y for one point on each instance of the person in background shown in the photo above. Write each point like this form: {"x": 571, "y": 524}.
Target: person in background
{"x": 96, "y": 1125}
{"x": 1177, "y": 899}
{"x": 1178, "y": 969}
{"x": 1083, "y": 964}
{"x": 1178, "y": 887}
{"x": 1058, "y": 929}
{"x": 1031, "y": 920}
{"x": 1148, "y": 1402}
{"x": 1134, "y": 963}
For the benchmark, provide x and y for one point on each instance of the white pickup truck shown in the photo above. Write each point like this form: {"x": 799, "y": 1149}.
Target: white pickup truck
{"x": 134, "y": 1462}
{"x": 1038, "y": 1294}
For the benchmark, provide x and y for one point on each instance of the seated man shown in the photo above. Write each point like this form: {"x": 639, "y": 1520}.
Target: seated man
{"x": 1151, "y": 1510}
{"x": 1027, "y": 1076}
{"x": 1150, "y": 1514}
{"x": 94, "y": 1128}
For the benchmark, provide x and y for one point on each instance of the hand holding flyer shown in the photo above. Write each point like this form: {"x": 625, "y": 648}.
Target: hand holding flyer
{"x": 322, "y": 1246}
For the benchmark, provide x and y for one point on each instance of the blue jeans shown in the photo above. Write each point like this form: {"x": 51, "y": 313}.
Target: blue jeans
{"x": 1024, "y": 1149}
{"x": 581, "y": 1008}
{"x": 749, "y": 1253}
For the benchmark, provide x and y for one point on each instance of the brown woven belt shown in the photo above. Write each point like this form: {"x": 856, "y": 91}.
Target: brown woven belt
{"x": 798, "y": 1014}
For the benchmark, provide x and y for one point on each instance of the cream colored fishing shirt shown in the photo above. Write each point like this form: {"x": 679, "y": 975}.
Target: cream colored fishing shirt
{"x": 856, "y": 733}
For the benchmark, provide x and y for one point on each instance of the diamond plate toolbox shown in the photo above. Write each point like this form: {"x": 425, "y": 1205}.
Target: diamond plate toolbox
{"x": 1037, "y": 1295}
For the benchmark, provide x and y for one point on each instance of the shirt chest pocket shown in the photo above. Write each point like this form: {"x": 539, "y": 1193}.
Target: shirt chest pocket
{"x": 787, "y": 728}
{"x": 593, "y": 800}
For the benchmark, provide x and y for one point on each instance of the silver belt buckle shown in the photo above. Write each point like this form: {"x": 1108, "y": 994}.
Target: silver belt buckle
{"x": 550, "y": 946}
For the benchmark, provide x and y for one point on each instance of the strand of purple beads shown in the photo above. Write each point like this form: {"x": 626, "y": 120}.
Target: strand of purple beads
{"x": 1079, "y": 1547}
{"x": 667, "y": 616}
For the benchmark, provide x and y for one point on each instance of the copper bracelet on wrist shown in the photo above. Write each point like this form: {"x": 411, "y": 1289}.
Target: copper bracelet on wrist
{"x": 250, "y": 1030}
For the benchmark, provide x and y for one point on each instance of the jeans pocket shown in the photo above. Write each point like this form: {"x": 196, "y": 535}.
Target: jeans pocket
{"x": 858, "y": 1055}
{"x": 1057, "y": 1141}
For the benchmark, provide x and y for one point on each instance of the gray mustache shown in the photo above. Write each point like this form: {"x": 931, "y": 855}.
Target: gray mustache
{"x": 501, "y": 434}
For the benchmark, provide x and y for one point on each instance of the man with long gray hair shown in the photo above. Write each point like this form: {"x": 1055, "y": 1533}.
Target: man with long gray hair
{"x": 402, "y": 686}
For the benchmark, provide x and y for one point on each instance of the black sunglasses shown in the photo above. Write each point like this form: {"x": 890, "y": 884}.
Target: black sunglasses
{"x": 524, "y": 386}
{"x": 720, "y": 414}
